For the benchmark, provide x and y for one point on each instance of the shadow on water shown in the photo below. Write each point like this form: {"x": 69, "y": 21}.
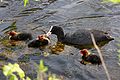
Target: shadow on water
{"x": 27, "y": 12}
{"x": 71, "y": 15}
{"x": 10, "y": 28}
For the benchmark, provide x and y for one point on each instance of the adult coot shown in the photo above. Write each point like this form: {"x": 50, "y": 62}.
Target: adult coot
{"x": 19, "y": 36}
{"x": 81, "y": 38}
{"x": 87, "y": 57}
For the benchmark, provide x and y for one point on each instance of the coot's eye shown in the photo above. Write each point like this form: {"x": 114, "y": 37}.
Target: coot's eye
{"x": 105, "y": 33}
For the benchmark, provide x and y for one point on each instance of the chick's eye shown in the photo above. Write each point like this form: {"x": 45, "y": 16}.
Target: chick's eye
{"x": 41, "y": 35}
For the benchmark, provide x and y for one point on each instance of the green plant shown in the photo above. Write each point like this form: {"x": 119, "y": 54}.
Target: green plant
{"x": 41, "y": 72}
{"x": 14, "y": 72}
{"x": 10, "y": 70}
{"x": 119, "y": 57}
{"x": 53, "y": 77}
{"x": 42, "y": 67}
{"x": 113, "y": 1}
{"x": 25, "y": 2}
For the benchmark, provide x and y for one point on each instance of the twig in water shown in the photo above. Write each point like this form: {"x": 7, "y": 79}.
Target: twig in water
{"x": 101, "y": 57}
{"x": 1, "y": 0}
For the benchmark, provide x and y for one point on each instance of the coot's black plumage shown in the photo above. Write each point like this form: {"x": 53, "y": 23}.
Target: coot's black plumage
{"x": 80, "y": 37}
{"x": 20, "y": 36}
{"x": 89, "y": 58}
{"x": 42, "y": 40}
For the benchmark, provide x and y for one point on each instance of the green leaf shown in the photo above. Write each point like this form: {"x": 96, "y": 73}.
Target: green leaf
{"x": 13, "y": 77}
{"x": 53, "y": 77}
{"x": 119, "y": 57}
{"x": 19, "y": 70}
{"x": 113, "y": 1}
{"x": 10, "y": 68}
{"x": 28, "y": 78}
{"x": 118, "y": 51}
{"x": 42, "y": 68}
{"x": 25, "y": 2}
{"x": 7, "y": 69}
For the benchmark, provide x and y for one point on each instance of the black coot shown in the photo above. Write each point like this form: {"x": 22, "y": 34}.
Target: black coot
{"x": 81, "y": 38}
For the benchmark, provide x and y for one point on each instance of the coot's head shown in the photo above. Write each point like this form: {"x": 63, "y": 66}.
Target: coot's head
{"x": 102, "y": 36}
{"x": 109, "y": 37}
{"x": 84, "y": 52}
{"x": 12, "y": 33}
{"x": 57, "y": 30}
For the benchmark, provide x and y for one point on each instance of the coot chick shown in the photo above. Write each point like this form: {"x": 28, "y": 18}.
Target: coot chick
{"x": 87, "y": 57}
{"x": 81, "y": 37}
{"x": 42, "y": 40}
{"x": 19, "y": 36}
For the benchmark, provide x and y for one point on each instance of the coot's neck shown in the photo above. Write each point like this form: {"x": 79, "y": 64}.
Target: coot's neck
{"x": 60, "y": 36}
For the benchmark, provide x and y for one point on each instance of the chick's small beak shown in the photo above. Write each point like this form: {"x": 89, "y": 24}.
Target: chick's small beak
{"x": 81, "y": 53}
{"x": 40, "y": 37}
{"x": 43, "y": 37}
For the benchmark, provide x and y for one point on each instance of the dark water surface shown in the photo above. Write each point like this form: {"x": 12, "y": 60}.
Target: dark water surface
{"x": 71, "y": 15}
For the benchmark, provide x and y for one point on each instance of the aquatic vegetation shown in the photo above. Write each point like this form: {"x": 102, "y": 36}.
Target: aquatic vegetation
{"x": 14, "y": 72}
{"x": 10, "y": 28}
{"x": 119, "y": 57}
{"x": 25, "y": 2}
{"x": 52, "y": 77}
{"x": 41, "y": 72}
{"x": 10, "y": 69}
{"x": 113, "y": 1}
{"x": 42, "y": 67}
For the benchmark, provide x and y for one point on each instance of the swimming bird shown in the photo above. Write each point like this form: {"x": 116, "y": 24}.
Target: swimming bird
{"x": 19, "y": 36}
{"x": 81, "y": 38}
{"x": 41, "y": 40}
{"x": 88, "y": 58}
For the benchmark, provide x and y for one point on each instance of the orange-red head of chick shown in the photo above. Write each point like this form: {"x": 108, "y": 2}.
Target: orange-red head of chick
{"x": 12, "y": 33}
{"x": 89, "y": 58}
{"x": 85, "y": 52}
{"x": 19, "y": 36}
{"x": 43, "y": 37}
